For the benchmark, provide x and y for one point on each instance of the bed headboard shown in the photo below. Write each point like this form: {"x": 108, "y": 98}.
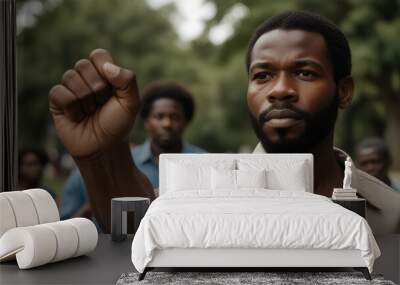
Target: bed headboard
{"x": 209, "y": 158}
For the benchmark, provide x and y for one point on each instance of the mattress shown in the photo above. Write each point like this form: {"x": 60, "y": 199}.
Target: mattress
{"x": 250, "y": 219}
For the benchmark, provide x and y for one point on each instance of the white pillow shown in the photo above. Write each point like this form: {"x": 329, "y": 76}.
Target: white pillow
{"x": 193, "y": 175}
{"x": 292, "y": 179}
{"x": 225, "y": 179}
{"x": 281, "y": 174}
{"x": 251, "y": 178}
{"x": 183, "y": 178}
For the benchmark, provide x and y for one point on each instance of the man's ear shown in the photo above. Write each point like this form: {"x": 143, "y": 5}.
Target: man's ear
{"x": 346, "y": 91}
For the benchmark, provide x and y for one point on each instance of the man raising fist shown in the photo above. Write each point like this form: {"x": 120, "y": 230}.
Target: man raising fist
{"x": 93, "y": 110}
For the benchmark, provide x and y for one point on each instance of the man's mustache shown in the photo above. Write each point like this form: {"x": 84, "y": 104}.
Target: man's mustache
{"x": 278, "y": 110}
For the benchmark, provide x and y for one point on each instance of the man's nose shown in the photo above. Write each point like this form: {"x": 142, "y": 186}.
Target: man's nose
{"x": 283, "y": 90}
{"x": 166, "y": 122}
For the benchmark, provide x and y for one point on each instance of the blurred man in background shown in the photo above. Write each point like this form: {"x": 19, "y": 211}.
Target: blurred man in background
{"x": 167, "y": 109}
{"x": 31, "y": 165}
{"x": 373, "y": 157}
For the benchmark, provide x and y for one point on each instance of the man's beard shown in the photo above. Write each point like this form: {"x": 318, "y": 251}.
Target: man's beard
{"x": 317, "y": 127}
{"x": 170, "y": 144}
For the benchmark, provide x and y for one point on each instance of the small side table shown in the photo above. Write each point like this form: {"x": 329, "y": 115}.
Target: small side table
{"x": 357, "y": 205}
{"x": 119, "y": 208}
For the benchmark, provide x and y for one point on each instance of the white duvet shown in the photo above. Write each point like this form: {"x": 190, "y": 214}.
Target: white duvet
{"x": 250, "y": 219}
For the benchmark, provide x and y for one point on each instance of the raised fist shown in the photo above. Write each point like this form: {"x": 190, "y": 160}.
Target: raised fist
{"x": 95, "y": 105}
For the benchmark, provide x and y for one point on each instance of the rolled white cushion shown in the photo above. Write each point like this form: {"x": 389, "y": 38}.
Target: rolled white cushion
{"x": 7, "y": 218}
{"x": 23, "y": 208}
{"x": 67, "y": 240}
{"x": 33, "y": 246}
{"x": 45, "y": 205}
{"x": 87, "y": 235}
{"x": 40, "y": 244}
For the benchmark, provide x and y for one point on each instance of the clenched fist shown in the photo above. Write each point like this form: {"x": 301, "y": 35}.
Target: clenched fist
{"x": 95, "y": 105}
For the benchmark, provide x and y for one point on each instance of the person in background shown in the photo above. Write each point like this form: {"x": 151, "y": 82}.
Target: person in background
{"x": 373, "y": 157}
{"x": 31, "y": 165}
{"x": 167, "y": 109}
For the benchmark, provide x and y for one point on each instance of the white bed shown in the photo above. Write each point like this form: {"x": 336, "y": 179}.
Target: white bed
{"x": 206, "y": 219}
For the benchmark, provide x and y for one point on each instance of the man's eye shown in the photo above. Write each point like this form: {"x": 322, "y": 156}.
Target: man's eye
{"x": 175, "y": 117}
{"x": 158, "y": 116}
{"x": 264, "y": 75}
{"x": 306, "y": 74}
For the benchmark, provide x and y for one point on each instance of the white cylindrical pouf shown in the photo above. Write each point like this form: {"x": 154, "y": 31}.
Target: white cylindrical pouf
{"x": 23, "y": 208}
{"x": 87, "y": 235}
{"x": 34, "y": 245}
{"x": 67, "y": 239}
{"x": 40, "y": 244}
{"x": 7, "y": 218}
{"x": 45, "y": 205}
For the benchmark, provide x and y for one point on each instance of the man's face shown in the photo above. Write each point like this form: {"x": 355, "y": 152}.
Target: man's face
{"x": 372, "y": 162}
{"x": 165, "y": 123}
{"x": 292, "y": 95}
{"x": 31, "y": 168}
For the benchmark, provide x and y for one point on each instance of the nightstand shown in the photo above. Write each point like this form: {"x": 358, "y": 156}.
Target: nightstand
{"x": 357, "y": 205}
{"x": 119, "y": 208}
